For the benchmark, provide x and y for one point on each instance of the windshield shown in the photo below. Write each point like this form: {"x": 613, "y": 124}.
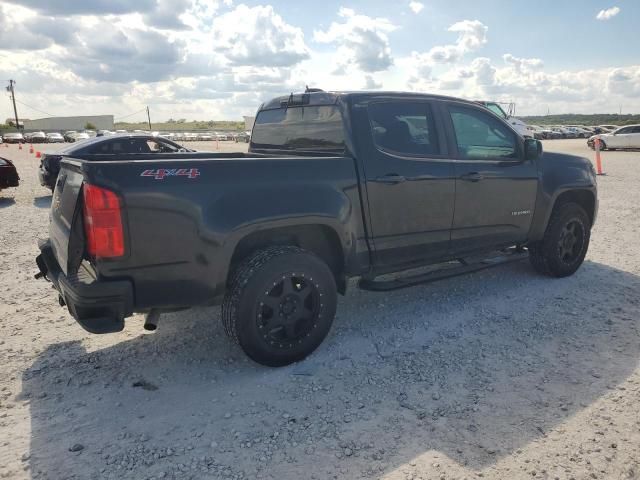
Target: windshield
{"x": 497, "y": 109}
{"x": 308, "y": 128}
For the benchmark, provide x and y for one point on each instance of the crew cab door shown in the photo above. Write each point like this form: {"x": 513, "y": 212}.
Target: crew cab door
{"x": 409, "y": 181}
{"x": 495, "y": 186}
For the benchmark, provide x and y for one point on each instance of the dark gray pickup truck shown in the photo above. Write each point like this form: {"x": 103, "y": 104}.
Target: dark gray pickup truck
{"x": 335, "y": 185}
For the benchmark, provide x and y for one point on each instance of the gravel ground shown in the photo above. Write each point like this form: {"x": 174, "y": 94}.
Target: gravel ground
{"x": 502, "y": 374}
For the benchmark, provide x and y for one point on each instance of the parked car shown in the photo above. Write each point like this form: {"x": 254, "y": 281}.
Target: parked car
{"x": 35, "y": 137}
{"x": 8, "y": 174}
{"x": 13, "y": 137}
{"x": 622, "y": 138}
{"x": 565, "y": 132}
{"x": 104, "y": 133}
{"x": 121, "y": 131}
{"x": 68, "y": 135}
{"x": 167, "y": 135}
{"x": 274, "y": 234}
{"x": 204, "y": 137}
{"x": 581, "y": 132}
{"x": 539, "y": 132}
{"x": 79, "y": 136}
{"x": 55, "y": 137}
{"x": 104, "y": 148}
{"x": 242, "y": 137}
{"x": 190, "y": 137}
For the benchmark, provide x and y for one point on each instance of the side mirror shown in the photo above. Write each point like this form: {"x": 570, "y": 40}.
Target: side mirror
{"x": 532, "y": 149}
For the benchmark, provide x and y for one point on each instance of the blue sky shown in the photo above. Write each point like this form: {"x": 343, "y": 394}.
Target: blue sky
{"x": 219, "y": 59}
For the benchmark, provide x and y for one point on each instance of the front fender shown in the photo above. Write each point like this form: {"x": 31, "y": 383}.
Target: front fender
{"x": 560, "y": 174}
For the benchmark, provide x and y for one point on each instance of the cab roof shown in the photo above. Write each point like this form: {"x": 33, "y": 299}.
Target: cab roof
{"x": 318, "y": 98}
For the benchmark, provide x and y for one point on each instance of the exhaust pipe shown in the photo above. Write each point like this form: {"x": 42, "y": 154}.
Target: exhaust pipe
{"x": 151, "y": 320}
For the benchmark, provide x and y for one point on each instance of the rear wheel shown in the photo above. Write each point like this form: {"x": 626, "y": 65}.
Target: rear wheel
{"x": 565, "y": 242}
{"x": 280, "y": 305}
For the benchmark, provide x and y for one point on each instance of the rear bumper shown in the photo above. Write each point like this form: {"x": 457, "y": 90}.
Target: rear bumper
{"x": 98, "y": 306}
{"x": 9, "y": 179}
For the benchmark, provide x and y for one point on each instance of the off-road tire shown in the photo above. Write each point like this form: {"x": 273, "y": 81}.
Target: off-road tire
{"x": 545, "y": 256}
{"x": 252, "y": 278}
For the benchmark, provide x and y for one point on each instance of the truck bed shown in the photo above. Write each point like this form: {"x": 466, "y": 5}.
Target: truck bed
{"x": 183, "y": 218}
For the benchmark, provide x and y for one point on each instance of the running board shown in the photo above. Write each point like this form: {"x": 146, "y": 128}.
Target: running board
{"x": 466, "y": 266}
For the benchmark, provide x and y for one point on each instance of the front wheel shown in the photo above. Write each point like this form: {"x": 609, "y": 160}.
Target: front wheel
{"x": 280, "y": 305}
{"x": 565, "y": 242}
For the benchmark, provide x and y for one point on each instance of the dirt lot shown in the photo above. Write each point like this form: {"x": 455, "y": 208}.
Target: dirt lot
{"x": 502, "y": 374}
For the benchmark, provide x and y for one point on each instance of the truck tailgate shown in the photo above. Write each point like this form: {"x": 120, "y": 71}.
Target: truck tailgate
{"x": 64, "y": 209}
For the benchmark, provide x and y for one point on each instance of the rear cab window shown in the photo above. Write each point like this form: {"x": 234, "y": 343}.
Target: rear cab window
{"x": 306, "y": 128}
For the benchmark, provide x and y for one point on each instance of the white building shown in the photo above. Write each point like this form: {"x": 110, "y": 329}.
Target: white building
{"x": 60, "y": 124}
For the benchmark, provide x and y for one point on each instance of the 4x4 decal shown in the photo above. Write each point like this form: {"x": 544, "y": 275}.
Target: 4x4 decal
{"x": 161, "y": 173}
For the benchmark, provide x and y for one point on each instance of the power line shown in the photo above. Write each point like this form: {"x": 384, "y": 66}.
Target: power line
{"x": 131, "y": 114}
{"x": 36, "y": 109}
{"x": 146, "y": 109}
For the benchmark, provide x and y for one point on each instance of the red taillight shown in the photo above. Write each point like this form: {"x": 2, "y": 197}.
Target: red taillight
{"x": 102, "y": 222}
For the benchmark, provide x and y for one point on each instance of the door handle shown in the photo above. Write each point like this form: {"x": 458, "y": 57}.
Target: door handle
{"x": 391, "y": 179}
{"x": 472, "y": 177}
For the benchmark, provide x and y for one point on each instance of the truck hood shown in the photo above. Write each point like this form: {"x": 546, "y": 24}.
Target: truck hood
{"x": 572, "y": 169}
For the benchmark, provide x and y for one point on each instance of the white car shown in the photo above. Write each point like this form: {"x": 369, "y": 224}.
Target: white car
{"x": 517, "y": 124}
{"x": 205, "y": 137}
{"x": 190, "y": 137}
{"x": 623, "y": 137}
{"x": 79, "y": 136}
{"x": 55, "y": 137}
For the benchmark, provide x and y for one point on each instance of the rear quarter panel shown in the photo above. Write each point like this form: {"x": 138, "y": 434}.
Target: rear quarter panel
{"x": 182, "y": 231}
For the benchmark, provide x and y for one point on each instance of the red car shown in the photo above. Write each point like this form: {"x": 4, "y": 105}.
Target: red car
{"x": 8, "y": 174}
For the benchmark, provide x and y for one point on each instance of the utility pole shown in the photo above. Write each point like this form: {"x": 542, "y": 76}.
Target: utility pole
{"x": 13, "y": 99}
{"x": 149, "y": 117}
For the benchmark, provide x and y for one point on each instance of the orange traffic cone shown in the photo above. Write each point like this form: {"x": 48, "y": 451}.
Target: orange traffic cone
{"x": 38, "y": 154}
{"x": 597, "y": 145}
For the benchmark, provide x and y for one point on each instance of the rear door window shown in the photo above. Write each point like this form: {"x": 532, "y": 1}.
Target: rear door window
{"x": 405, "y": 128}
{"x": 305, "y": 128}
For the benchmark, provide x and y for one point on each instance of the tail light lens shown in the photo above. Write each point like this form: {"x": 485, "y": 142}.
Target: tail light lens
{"x": 102, "y": 222}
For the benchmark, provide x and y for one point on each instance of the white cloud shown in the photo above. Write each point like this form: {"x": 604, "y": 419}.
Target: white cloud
{"x": 258, "y": 36}
{"x": 608, "y": 13}
{"x": 209, "y": 59}
{"x": 624, "y": 81}
{"x": 472, "y": 35}
{"x": 370, "y": 83}
{"x": 416, "y": 7}
{"x": 362, "y": 41}
{"x": 523, "y": 64}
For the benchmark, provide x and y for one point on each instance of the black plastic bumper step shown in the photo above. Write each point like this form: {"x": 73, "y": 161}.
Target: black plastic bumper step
{"x": 463, "y": 267}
